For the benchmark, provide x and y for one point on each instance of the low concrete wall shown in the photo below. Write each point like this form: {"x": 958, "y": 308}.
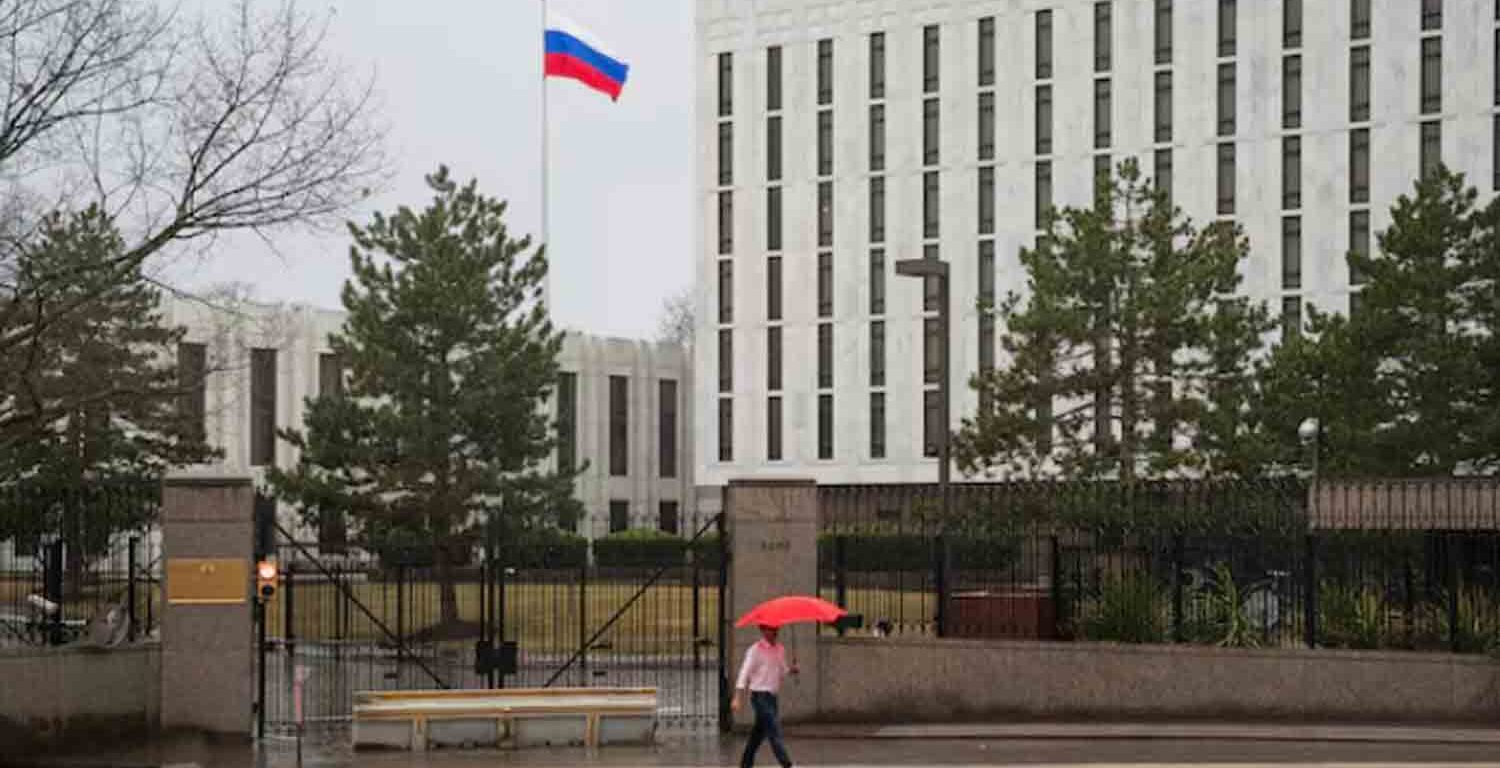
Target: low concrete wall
{"x": 891, "y": 680}
{"x": 53, "y": 694}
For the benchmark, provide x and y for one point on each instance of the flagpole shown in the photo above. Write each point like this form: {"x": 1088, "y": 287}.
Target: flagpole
{"x": 546, "y": 162}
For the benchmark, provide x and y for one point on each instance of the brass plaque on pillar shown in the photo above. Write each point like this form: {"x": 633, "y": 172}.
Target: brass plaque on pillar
{"x": 220, "y": 581}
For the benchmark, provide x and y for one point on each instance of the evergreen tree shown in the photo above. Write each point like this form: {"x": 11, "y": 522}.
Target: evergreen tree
{"x": 451, "y": 358}
{"x": 1130, "y": 354}
{"x": 1407, "y": 383}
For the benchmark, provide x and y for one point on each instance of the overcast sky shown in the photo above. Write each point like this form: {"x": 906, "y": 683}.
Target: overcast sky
{"x": 459, "y": 81}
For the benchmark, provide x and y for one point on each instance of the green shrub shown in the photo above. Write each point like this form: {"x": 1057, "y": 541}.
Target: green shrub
{"x": 1352, "y": 616}
{"x": 639, "y": 548}
{"x": 547, "y": 548}
{"x": 1128, "y": 609}
{"x": 890, "y": 552}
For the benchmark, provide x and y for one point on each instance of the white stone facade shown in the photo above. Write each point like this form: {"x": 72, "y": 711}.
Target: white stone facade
{"x": 1467, "y": 35}
{"x": 300, "y": 336}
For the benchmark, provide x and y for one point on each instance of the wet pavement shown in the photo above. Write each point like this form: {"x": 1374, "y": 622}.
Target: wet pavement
{"x": 684, "y": 753}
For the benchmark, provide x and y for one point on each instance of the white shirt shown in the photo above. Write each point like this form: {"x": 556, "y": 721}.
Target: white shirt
{"x": 765, "y": 665}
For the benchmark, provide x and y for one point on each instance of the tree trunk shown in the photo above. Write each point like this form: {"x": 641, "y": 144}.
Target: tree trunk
{"x": 447, "y": 590}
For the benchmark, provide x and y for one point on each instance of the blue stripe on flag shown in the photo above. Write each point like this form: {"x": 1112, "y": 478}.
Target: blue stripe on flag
{"x": 557, "y": 41}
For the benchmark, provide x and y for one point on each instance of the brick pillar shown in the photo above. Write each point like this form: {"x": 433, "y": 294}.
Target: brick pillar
{"x": 207, "y": 670}
{"x": 773, "y": 535}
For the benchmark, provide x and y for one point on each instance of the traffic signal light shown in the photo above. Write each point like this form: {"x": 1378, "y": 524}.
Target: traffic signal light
{"x": 266, "y": 575}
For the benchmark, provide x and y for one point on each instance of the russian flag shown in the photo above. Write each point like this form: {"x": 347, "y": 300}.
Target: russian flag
{"x": 573, "y": 53}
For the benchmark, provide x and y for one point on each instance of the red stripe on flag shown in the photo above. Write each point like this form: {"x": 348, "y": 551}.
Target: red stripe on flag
{"x": 563, "y": 65}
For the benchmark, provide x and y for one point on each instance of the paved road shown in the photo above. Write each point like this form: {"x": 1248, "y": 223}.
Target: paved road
{"x": 844, "y": 753}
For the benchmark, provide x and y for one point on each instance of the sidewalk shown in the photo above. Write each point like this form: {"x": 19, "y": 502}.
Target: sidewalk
{"x": 1326, "y": 733}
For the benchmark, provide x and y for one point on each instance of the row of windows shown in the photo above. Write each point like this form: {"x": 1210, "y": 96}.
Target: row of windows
{"x": 666, "y": 516}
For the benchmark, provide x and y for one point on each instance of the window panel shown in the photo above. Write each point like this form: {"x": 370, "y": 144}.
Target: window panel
{"x": 773, "y": 288}
{"x": 825, "y": 427}
{"x": 192, "y": 378}
{"x": 1163, "y": 31}
{"x": 1103, "y": 37}
{"x": 877, "y": 209}
{"x": 773, "y": 429}
{"x": 1291, "y": 93}
{"x": 825, "y": 356}
{"x": 877, "y": 425}
{"x": 1291, "y": 23}
{"x": 932, "y": 423}
{"x": 1226, "y": 180}
{"x": 1103, "y": 129}
{"x": 1359, "y": 19}
{"x": 931, "y": 139}
{"x": 619, "y": 425}
{"x": 825, "y": 72}
{"x": 1044, "y": 119}
{"x": 1359, "y": 84}
{"x": 1432, "y": 15}
{"x": 1432, "y": 75}
{"x": 1043, "y": 45}
{"x": 930, "y": 294}
{"x": 825, "y": 214}
{"x": 726, "y": 84}
{"x": 987, "y": 200}
{"x": 726, "y": 222}
{"x": 987, "y": 51}
{"x": 877, "y": 353}
{"x": 825, "y": 142}
{"x": 930, "y": 203}
{"x": 666, "y": 436}
{"x": 667, "y": 520}
{"x": 1431, "y": 153}
{"x": 1163, "y": 132}
{"x": 932, "y": 350}
{"x": 1043, "y": 202}
{"x": 774, "y": 357}
{"x": 1291, "y": 317}
{"x": 1291, "y": 173}
{"x": 877, "y": 281}
{"x": 726, "y": 360}
{"x": 773, "y": 219}
{"x": 726, "y": 153}
{"x": 1359, "y": 242}
{"x": 1162, "y": 172}
{"x": 1359, "y": 165}
{"x": 263, "y": 380}
{"x": 726, "y": 429}
{"x": 1102, "y": 173}
{"x": 773, "y": 78}
{"x": 773, "y": 148}
{"x": 825, "y": 284}
{"x": 877, "y": 137}
{"x": 987, "y": 126}
{"x": 877, "y": 65}
{"x": 726, "y": 291}
{"x": 1226, "y": 99}
{"x": 619, "y": 516}
{"x": 931, "y": 59}
{"x": 1291, "y": 253}
{"x": 1228, "y": 31}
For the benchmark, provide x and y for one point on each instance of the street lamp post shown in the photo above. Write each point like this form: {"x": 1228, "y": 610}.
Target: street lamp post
{"x": 1309, "y": 432}
{"x": 938, "y": 270}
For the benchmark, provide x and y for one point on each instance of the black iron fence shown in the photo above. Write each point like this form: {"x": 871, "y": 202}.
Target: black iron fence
{"x": 79, "y": 564}
{"x": 1234, "y": 564}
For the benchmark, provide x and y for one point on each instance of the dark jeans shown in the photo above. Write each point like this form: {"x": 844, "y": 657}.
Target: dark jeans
{"x": 767, "y": 728}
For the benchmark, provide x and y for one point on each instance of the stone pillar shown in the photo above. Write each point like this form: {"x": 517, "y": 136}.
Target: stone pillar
{"x": 773, "y": 535}
{"x": 207, "y": 666}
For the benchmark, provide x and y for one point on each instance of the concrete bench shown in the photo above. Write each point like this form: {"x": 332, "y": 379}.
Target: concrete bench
{"x": 515, "y": 717}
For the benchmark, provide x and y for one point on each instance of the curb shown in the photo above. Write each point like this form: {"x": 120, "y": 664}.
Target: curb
{"x": 1167, "y": 732}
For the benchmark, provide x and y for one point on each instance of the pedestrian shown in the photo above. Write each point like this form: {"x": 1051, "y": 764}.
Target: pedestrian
{"x": 764, "y": 668}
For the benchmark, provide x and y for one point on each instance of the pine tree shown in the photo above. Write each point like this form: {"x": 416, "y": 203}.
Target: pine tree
{"x": 1129, "y": 355}
{"x": 451, "y": 358}
{"x": 103, "y": 382}
{"x": 1407, "y": 383}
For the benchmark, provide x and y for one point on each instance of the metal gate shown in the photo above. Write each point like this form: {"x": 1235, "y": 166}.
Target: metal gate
{"x": 361, "y": 620}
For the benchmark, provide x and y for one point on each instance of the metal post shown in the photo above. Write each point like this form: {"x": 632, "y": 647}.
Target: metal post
{"x": 945, "y": 457}
{"x": 697, "y": 611}
{"x": 130, "y": 587}
{"x": 52, "y": 589}
{"x": 1057, "y": 606}
{"x": 583, "y": 622}
{"x": 1177, "y": 591}
{"x": 1310, "y": 591}
{"x": 260, "y": 668}
{"x": 1450, "y": 561}
{"x": 840, "y": 576}
{"x": 721, "y": 627}
{"x": 289, "y": 616}
{"x": 498, "y": 680}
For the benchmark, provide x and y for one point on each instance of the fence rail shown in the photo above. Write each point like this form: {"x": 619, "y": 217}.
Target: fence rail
{"x": 1232, "y": 564}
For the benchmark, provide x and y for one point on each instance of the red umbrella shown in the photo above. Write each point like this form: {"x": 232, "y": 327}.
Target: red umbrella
{"x": 792, "y": 609}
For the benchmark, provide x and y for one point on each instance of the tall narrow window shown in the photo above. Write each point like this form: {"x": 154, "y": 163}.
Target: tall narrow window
{"x": 1102, "y": 128}
{"x": 773, "y": 428}
{"x": 1163, "y": 131}
{"x": 987, "y": 200}
{"x": 1496, "y": 69}
{"x": 1161, "y": 174}
{"x": 773, "y": 358}
{"x": 987, "y": 125}
{"x": 1163, "y": 31}
{"x": 726, "y": 84}
{"x": 877, "y": 425}
{"x": 1291, "y": 92}
{"x": 262, "y": 407}
{"x": 192, "y": 379}
{"x": 726, "y": 429}
{"x": 1291, "y": 24}
{"x": 1291, "y": 317}
{"x": 1291, "y": 253}
{"x": 825, "y": 72}
{"x": 1226, "y": 99}
{"x": 825, "y": 214}
{"x": 930, "y": 210}
{"x": 932, "y": 423}
{"x": 726, "y": 291}
{"x": 877, "y": 353}
{"x": 1431, "y": 155}
{"x": 825, "y": 427}
{"x": 1043, "y": 202}
{"x": 931, "y": 59}
{"x": 1495, "y": 154}
{"x": 877, "y": 137}
{"x": 877, "y": 209}
{"x": 667, "y": 520}
{"x": 1291, "y": 173}
{"x": 1359, "y": 84}
{"x": 773, "y": 218}
{"x": 1359, "y": 165}
{"x": 932, "y": 350}
{"x": 1102, "y": 173}
{"x": 1044, "y": 119}
{"x": 1359, "y": 243}
{"x": 986, "y": 51}
{"x": 666, "y": 429}
{"x": 726, "y": 222}
{"x": 1432, "y": 15}
{"x": 877, "y": 65}
{"x": 930, "y": 295}
{"x": 930, "y": 138}
{"x": 1044, "y": 45}
{"x": 877, "y": 281}
{"x": 330, "y": 374}
{"x": 1226, "y": 179}
{"x": 773, "y": 288}
{"x": 986, "y": 305}
{"x": 1228, "y": 30}
{"x": 726, "y": 360}
{"x": 619, "y": 516}
{"x": 1432, "y": 75}
{"x": 773, "y": 78}
{"x": 619, "y": 425}
{"x": 1103, "y": 43}
{"x": 567, "y": 421}
{"x": 825, "y": 356}
{"x": 825, "y": 142}
{"x": 825, "y": 284}
{"x": 773, "y": 148}
{"x": 1359, "y": 19}
{"x": 726, "y": 153}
